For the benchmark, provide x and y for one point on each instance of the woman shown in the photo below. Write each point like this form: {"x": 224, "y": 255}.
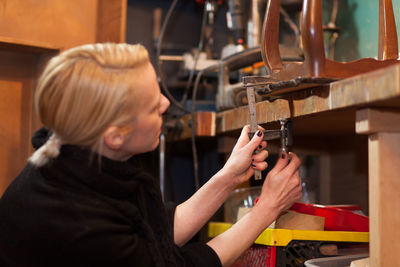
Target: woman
{"x": 82, "y": 199}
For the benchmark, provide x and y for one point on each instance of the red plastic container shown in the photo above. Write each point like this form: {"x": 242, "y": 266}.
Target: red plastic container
{"x": 337, "y": 218}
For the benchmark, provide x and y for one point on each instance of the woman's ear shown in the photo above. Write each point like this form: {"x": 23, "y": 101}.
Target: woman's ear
{"x": 114, "y": 138}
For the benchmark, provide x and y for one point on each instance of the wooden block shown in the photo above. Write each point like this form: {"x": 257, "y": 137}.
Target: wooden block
{"x": 241, "y": 212}
{"x": 369, "y": 121}
{"x": 204, "y": 125}
{"x": 329, "y": 250}
{"x": 299, "y": 221}
{"x": 360, "y": 263}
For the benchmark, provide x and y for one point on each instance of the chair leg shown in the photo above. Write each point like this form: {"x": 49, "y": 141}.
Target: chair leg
{"x": 270, "y": 37}
{"x": 388, "y": 44}
{"x": 312, "y": 38}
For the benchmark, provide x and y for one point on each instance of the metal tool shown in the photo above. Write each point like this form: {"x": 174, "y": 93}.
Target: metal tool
{"x": 232, "y": 95}
{"x": 253, "y": 120}
{"x": 285, "y": 131}
{"x": 284, "y": 134}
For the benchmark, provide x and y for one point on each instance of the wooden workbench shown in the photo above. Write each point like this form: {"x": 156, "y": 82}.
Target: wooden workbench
{"x": 367, "y": 104}
{"x": 366, "y": 107}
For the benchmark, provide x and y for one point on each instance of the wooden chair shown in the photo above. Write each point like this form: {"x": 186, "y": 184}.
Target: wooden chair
{"x": 315, "y": 64}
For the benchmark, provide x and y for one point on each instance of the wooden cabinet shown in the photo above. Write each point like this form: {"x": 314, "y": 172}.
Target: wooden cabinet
{"x": 30, "y": 33}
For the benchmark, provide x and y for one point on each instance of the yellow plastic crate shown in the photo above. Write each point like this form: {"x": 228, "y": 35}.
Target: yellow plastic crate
{"x": 282, "y": 237}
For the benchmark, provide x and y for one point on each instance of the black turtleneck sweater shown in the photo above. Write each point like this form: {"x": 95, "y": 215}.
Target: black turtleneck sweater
{"x": 81, "y": 211}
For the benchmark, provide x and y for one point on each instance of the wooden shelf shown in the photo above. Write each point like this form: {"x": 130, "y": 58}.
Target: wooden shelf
{"x": 16, "y": 45}
{"x": 325, "y": 110}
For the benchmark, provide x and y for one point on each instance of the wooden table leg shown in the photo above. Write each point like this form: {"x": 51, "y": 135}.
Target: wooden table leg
{"x": 383, "y": 129}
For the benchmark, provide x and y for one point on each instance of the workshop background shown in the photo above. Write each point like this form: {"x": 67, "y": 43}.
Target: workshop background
{"x": 184, "y": 37}
{"x": 357, "y": 22}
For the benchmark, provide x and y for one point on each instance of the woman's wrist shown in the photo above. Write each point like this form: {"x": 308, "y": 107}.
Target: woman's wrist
{"x": 226, "y": 177}
{"x": 267, "y": 207}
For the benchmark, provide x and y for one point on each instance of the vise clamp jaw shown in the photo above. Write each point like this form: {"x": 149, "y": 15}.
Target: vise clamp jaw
{"x": 284, "y": 134}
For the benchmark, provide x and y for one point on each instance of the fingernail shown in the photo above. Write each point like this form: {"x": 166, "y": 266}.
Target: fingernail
{"x": 283, "y": 155}
{"x": 253, "y": 165}
{"x": 259, "y": 133}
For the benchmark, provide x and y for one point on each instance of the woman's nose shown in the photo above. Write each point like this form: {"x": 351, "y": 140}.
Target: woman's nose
{"x": 164, "y": 104}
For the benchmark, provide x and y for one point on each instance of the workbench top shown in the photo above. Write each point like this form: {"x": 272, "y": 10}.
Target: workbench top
{"x": 326, "y": 110}
{"x": 335, "y": 104}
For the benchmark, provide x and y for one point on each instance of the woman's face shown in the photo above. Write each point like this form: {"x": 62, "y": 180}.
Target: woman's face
{"x": 146, "y": 129}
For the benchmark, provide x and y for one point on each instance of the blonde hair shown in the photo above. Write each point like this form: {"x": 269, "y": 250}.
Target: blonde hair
{"x": 83, "y": 91}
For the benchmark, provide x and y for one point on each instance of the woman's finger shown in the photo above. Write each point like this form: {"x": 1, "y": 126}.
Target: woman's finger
{"x": 262, "y": 145}
{"x": 260, "y": 156}
{"x": 292, "y": 166}
{"x": 260, "y": 165}
{"x": 243, "y": 138}
{"x": 281, "y": 164}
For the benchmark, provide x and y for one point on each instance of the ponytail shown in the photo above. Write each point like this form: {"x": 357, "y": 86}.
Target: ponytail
{"x": 50, "y": 150}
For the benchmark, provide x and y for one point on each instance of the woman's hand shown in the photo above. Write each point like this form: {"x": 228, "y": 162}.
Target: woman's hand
{"x": 243, "y": 161}
{"x": 192, "y": 214}
{"x": 282, "y": 186}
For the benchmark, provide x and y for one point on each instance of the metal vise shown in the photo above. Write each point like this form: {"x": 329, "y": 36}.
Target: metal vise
{"x": 284, "y": 134}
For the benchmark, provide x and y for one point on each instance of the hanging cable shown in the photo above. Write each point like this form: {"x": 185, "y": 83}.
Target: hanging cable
{"x": 197, "y": 55}
{"x": 180, "y": 105}
{"x": 158, "y": 54}
{"x": 193, "y": 130}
